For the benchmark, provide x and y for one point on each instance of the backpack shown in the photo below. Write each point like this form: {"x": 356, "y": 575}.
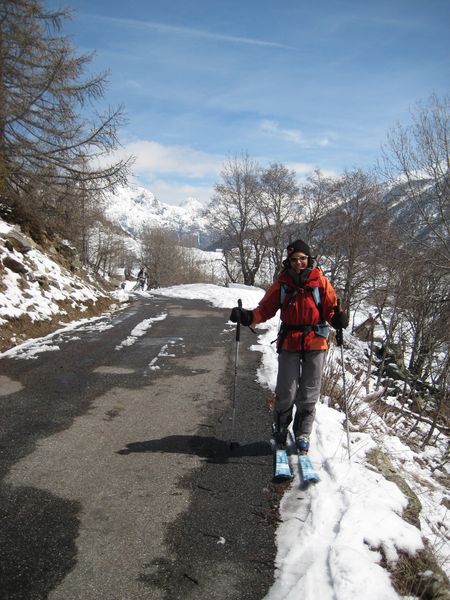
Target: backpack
{"x": 321, "y": 329}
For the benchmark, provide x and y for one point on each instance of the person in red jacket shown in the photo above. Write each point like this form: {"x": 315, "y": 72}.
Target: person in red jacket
{"x": 307, "y": 302}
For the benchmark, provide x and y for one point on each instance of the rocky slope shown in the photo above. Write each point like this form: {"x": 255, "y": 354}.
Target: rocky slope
{"x": 42, "y": 288}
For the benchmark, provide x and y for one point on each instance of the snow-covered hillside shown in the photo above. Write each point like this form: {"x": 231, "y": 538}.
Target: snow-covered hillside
{"x": 37, "y": 292}
{"x": 405, "y": 212}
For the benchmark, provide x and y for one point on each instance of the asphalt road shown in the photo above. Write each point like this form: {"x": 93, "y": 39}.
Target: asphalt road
{"x": 117, "y": 481}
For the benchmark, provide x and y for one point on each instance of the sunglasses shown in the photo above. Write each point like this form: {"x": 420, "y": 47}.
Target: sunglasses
{"x": 298, "y": 258}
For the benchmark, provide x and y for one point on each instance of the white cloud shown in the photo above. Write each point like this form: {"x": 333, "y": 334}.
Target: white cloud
{"x": 304, "y": 169}
{"x": 292, "y": 135}
{"x": 164, "y": 28}
{"x": 153, "y": 159}
{"x": 172, "y": 173}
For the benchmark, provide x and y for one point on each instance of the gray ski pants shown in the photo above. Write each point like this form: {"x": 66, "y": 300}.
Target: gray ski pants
{"x": 298, "y": 382}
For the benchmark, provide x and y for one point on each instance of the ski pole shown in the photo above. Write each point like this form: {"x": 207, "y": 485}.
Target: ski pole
{"x": 234, "y": 444}
{"x": 340, "y": 342}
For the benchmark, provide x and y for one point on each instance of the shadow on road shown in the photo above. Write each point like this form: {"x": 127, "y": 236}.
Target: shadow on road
{"x": 37, "y": 542}
{"x": 215, "y": 450}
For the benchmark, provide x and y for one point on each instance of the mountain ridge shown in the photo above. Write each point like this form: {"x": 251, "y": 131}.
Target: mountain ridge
{"x": 134, "y": 208}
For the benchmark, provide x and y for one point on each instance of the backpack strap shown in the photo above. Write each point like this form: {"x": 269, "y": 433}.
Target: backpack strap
{"x": 317, "y": 299}
{"x": 284, "y": 290}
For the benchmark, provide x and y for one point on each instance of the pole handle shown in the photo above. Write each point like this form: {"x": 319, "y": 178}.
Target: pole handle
{"x": 238, "y": 324}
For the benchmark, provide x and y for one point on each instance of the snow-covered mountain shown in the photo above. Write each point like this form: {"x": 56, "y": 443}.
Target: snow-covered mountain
{"x": 133, "y": 208}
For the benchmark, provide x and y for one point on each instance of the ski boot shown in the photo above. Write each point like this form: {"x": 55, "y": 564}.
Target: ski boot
{"x": 279, "y": 435}
{"x": 302, "y": 444}
{"x": 280, "y": 427}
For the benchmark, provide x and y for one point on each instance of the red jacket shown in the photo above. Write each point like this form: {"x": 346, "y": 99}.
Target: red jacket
{"x": 298, "y": 309}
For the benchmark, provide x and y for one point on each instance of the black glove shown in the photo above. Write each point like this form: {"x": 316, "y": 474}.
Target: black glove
{"x": 241, "y": 315}
{"x": 339, "y": 320}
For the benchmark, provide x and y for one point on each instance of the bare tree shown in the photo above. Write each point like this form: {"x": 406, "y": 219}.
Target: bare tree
{"x": 279, "y": 206}
{"x": 441, "y": 383}
{"x": 104, "y": 246}
{"x": 349, "y": 226}
{"x": 426, "y": 307}
{"x": 416, "y": 162}
{"x": 418, "y": 156}
{"x": 168, "y": 263}
{"x": 235, "y": 216}
{"x": 51, "y": 137}
{"x": 160, "y": 255}
{"x": 316, "y": 200}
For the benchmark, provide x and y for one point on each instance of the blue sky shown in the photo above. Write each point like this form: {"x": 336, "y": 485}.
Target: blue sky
{"x": 308, "y": 84}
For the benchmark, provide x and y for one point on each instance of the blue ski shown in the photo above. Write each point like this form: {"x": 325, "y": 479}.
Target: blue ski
{"x": 282, "y": 469}
{"x": 308, "y": 473}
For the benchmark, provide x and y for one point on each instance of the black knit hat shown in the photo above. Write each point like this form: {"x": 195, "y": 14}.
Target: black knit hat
{"x": 298, "y": 246}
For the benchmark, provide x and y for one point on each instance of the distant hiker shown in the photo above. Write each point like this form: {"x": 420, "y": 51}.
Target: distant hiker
{"x": 142, "y": 278}
{"x": 307, "y": 301}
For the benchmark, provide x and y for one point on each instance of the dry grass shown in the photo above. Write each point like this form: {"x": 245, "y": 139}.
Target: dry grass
{"x": 419, "y": 576}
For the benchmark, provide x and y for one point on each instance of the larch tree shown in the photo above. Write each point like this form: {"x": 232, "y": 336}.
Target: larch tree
{"x": 52, "y": 139}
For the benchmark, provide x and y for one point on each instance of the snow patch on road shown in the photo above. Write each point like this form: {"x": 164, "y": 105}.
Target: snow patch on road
{"x": 140, "y": 330}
